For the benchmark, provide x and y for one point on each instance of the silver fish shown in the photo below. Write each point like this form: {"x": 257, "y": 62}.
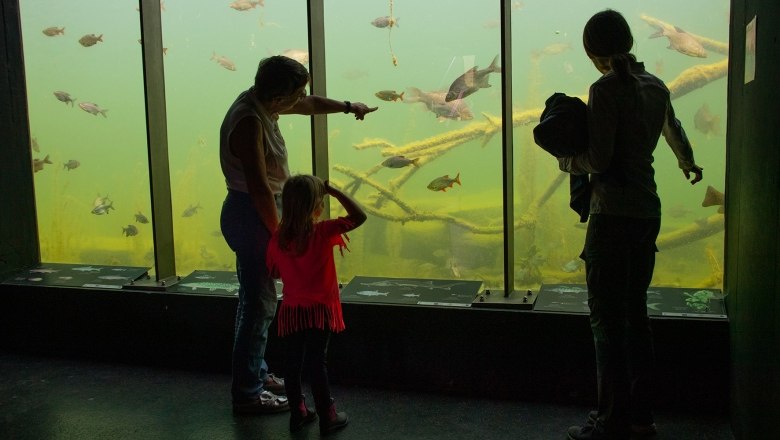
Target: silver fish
{"x": 140, "y": 218}
{"x": 399, "y": 162}
{"x": 389, "y": 95}
{"x": 456, "y": 109}
{"x": 245, "y": 5}
{"x": 38, "y": 163}
{"x": 71, "y": 164}
{"x": 224, "y": 61}
{"x": 93, "y": 108}
{"x": 471, "y": 81}
{"x": 90, "y": 40}
{"x": 681, "y": 41}
{"x": 386, "y": 21}
{"x": 65, "y": 97}
{"x": 191, "y": 210}
{"x": 705, "y": 122}
{"x": 54, "y": 31}
{"x": 443, "y": 182}
{"x": 103, "y": 209}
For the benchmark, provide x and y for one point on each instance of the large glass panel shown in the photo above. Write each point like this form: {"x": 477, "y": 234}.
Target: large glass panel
{"x": 439, "y": 216}
{"x": 86, "y": 108}
{"x": 548, "y": 57}
{"x": 212, "y": 51}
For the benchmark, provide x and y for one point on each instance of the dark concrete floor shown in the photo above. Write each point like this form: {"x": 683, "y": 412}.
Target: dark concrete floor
{"x": 53, "y": 398}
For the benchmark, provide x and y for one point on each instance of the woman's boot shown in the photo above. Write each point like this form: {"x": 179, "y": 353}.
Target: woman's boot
{"x": 300, "y": 415}
{"x": 330, "y": 420}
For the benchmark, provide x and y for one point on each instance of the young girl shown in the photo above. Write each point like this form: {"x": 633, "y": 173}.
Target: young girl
{"x": 301, "y": 254}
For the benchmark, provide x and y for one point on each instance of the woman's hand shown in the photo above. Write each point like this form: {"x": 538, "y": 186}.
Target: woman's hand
{"x": 360, "y": 110}
{"x": 697, "y": 171}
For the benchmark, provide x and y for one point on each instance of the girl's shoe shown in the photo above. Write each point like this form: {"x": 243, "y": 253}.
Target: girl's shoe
{"x": 330, "y": 420}
{"x": 301, "y": 415}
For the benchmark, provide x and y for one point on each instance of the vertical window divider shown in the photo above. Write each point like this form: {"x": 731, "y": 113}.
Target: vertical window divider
{"x": 319, "y": 123}
{"x": 157, "y": 139}
{"x": 507, "y": 143}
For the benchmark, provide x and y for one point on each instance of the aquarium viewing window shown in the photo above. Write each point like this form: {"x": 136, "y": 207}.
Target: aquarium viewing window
{"x": 475, "y": 198}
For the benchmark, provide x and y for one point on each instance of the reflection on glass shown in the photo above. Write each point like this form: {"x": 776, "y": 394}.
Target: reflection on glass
{"x": 436, "y": 212}
{"x": 212, "y": 52}
{"x": 548, "y": 57}
{"x": 86, "y": 111}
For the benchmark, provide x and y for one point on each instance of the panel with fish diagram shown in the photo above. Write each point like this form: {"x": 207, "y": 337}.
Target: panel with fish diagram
{"x": 673, "y": 302}
{"x": 411, "y": 291}
{"x": 78, "y": 275}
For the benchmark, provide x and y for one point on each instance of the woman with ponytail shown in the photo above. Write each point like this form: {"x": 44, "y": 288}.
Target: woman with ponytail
{"x": 628, "y": 110}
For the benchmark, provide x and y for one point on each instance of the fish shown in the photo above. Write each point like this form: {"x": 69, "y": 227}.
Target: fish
{"x": 371, "y": 293}
{"x": 191, "y": 210}
{"x": 64, "y": 278}
{"x": 568, "y": 289}
{"x": 230, "y": 287}
{"x": 411, "y": 295}
{"x": 113, "y": 277}
{"x": 44, "y": 270}
{"x": 103, "y": 208}
{"x": 140, "y": 218}
{"x": 245, "y": 5}
{"x": 706, "y": 122}
{"x": 434, "y": 101}
{"x": 71, "y": 164}
{"x": 38, "y": 163}
{"x": 713, "y": 197}
{"x": 471, "y": 81}
{"x": 681, "y": 41}
{"x": 93, "y": 108}
{"x": 65, "y": 97}
{"x": 386, "y": 21}
{"x": 130, "y": 231}
{"x": 87, "y": 269}
{"x": 298, "y": 55}
{"x": 90, "y": 40}
{"x": 54, "y": 31}
{"x": 224, "y": 61}
{"x": 35, "y": 279}
{"x": 573, "y": 265}
{"x": 399, "y": 162}
{"x": 100, "y": 200}
{"x": 34, "y": 144}
{"x": 389, "y": 95}
{"x": 443, "y": 182}
{"x": 678, "y": 211}
{"x": 550, "y": 49}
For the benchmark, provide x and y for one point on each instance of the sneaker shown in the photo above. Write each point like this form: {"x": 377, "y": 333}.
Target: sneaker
{"x": 274, "y": 384}
{"x": 637, "y": 430}
{"x": 265, "y": 403}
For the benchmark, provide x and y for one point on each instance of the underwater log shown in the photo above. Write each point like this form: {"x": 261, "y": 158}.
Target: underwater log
{"x": 693, "y": 232}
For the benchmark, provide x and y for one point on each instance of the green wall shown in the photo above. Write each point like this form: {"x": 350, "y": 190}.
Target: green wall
{"x": 752, "y": 217}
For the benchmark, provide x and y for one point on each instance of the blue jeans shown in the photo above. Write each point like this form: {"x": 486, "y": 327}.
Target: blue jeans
{"x": 619, "y": 259}
{"x": 248, "y": 238}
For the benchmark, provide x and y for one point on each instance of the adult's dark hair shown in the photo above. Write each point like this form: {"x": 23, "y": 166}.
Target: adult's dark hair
{"x": 279, "y": 76}
{"x": 608, "y": 36}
